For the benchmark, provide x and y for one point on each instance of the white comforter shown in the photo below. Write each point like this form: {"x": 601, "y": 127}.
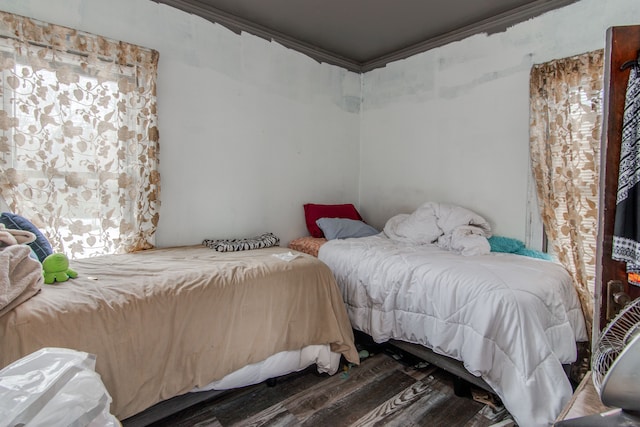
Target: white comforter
{"x": 451, "y": 227}
{"x": 510, "y": 319}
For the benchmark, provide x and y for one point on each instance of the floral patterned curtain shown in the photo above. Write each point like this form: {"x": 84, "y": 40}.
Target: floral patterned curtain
{"x": 565, "y": 127}
{"x": 78, "y": 136}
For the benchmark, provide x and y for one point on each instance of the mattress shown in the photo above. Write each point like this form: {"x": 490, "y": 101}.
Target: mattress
{"x": 510, "y": 319}
{"x": 163, "y": 322}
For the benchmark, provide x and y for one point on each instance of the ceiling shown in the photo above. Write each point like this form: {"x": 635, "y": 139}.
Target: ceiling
{"x": 361, "y": 35}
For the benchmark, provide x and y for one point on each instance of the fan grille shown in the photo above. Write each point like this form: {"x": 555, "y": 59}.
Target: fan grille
{"x": 613, "y": 339}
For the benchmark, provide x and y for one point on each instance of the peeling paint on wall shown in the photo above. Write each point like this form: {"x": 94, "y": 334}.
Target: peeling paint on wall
{"x": 459, "y": 90}
{"x": 455, "y": 120}
{"x": 249, "y": 130}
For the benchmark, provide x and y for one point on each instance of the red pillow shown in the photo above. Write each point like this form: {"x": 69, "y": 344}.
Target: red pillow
{"x": 313, "y": 212}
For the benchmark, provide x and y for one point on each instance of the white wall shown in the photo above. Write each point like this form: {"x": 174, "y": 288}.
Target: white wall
{"x": 446, "y": 125}
{"x": 249, "y": 130}
{"x": 452, "y": 124}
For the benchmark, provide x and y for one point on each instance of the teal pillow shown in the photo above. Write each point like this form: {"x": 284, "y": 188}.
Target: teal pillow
{"x": 344, "y": 228}
{"x": 514, "y": 246}
{"x": 534, "y": 254}
{"x": 505, "y": 244}
{"x": 40, "y": 246}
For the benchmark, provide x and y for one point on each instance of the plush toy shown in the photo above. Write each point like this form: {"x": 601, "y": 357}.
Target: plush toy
{"x": 55, "y": 268}
{"x": 10, "y": 237}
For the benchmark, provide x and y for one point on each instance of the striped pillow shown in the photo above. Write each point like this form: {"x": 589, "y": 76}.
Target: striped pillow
{"x": 265, "y": 240}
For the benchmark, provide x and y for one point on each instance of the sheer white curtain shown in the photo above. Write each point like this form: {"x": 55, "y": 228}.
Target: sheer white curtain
{"x": 565, "y": 128}
{"x": 78, "y": 136}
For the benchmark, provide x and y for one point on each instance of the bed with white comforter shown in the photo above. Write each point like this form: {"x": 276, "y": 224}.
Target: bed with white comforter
{"x": 512, "y": 320}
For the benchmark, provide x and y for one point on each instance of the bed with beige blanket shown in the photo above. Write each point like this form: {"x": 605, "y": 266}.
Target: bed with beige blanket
{"x": 169, "y": 321}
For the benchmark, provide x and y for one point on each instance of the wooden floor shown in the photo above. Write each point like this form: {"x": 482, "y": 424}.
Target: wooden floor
{"x": 388, "y": 388}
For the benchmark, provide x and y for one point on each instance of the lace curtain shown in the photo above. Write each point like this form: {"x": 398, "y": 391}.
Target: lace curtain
{"x": 565, "y": 127}
{"x": 78, "y": 136}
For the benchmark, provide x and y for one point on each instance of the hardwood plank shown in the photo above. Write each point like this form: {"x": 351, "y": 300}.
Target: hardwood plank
{"x": 400, "y": 409}
{"x": 232, "y": 407}
{"x": 452, "y": 407}
{"x": 337, "y": 387}
{"x": 360, "y": 401}
{"x": 382, "y": 390}
{"x": 198, "y": 419}
{"x": 169, "y": 407}
{"x": 274, "y": 416}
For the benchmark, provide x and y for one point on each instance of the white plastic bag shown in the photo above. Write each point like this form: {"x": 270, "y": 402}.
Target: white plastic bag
{"x": 54, "y": 387}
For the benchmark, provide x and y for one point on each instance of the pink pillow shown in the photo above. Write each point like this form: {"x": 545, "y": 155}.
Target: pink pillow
{"x": 313, "y": 212}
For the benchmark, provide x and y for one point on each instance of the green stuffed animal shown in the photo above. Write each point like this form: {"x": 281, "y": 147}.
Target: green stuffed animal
{"x": 55, "y": 268}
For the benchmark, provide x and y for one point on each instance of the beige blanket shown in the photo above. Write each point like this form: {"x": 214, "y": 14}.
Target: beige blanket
{"x": 20, "y": 277}
{"x": 164, "y": 321}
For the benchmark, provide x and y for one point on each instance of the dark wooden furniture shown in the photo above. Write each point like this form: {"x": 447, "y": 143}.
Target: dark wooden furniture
{"x": 623, "y": 44}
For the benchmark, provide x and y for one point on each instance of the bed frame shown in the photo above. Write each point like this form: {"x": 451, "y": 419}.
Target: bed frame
{"x": 463, "y": 379}
{"x": 169, "y": 407}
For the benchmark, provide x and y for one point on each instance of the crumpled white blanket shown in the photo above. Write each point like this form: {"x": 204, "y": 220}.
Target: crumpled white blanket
{"x": 449, "y": 226}
{"x": 467, "y": 240}
{"x": 20, "y": 276}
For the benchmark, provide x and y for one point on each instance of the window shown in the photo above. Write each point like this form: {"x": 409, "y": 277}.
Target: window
{"x": 78, "y": 136}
